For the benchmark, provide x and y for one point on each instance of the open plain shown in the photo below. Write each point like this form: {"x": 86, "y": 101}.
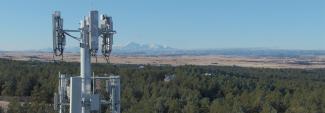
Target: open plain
{"x": 307, "y": 62}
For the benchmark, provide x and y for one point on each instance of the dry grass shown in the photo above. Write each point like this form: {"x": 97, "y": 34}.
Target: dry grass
{"x": 261, "y": 62}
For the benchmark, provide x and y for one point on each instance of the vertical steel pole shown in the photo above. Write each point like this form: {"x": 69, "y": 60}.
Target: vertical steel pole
{"x": 115, "y": 94}
{"x": 85, "y": 66}
{"x": 60, "y": 93}
{"x": 75, "y": 95}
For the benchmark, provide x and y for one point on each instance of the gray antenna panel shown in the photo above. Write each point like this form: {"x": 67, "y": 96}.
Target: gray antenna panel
{"x": 94, "y": 32}
{"x": 107, "y": 34}
{"x": 58, "y": 34}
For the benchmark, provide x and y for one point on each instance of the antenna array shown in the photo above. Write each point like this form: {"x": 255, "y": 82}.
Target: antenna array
{"x": 76, "y": 92}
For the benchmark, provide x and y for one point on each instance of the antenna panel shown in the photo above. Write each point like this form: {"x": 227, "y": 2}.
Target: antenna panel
{"x": 94, "y": 31}
{"x": 58, "y": 34}
{"x": 107, "y": 35}
{"x": 95, "y": 102}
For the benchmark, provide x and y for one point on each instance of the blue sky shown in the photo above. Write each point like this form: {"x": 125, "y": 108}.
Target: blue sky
{"x": 187, "y": 24}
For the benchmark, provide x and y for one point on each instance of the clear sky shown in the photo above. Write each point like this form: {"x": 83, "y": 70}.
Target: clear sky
{"x": 187, "y": 24}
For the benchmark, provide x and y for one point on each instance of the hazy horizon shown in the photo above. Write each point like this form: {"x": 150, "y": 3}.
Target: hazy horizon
{"x": 69, "y": 47}
{"x": 276, "y": 24}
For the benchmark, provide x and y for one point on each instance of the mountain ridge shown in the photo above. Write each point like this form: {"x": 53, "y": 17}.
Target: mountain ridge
{"x": 133, "y": 48}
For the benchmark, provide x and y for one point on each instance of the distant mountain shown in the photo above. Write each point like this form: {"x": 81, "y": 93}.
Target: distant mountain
{"x": 143, "y": 49}
{"x": 130, "y": 48}
{"x": 67, "y": 49}
{"x": 255, "y": 52}
{"x": 140, "y": 47}
{"x": 158, "y": 50}
{"x": 46, "y": 50}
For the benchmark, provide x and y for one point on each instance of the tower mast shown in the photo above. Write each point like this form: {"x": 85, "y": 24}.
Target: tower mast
{"x": 82, "y": 98}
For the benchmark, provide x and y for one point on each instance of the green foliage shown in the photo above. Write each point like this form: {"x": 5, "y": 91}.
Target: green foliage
{"x": 15, "y": 107}
{"x": 144, "y": 90}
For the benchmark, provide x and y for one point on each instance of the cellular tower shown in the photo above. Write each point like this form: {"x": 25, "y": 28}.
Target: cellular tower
{"x": 76, "y": 94}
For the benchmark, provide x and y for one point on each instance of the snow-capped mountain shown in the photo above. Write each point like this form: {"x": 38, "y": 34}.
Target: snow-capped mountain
{"x": 156, "y": 50}
{"x": 132, "y": 46}
{"x": 143, "y": 49}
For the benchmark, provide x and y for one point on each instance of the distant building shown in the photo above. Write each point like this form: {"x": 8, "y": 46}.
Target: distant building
{"x": 207, "y": 74}
{"x": 169, "y": 77}
{"x": 141, "y": 67}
